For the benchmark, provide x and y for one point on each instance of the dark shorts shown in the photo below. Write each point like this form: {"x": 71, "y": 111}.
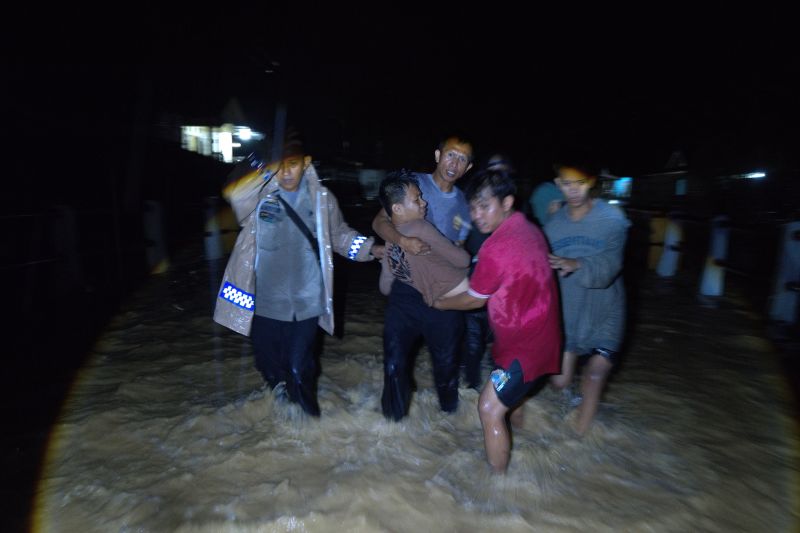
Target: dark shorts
{"x": 609, "y": 355}
{"x": 510, "y": 385}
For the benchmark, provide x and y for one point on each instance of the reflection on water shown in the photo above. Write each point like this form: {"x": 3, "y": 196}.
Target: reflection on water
{"x": 170, "y": 428}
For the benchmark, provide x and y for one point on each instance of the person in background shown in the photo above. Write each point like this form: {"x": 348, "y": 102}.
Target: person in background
{"x": 587, "y": 238}
{"x": 448, "y": 209}
{"x": 545, "y": 200}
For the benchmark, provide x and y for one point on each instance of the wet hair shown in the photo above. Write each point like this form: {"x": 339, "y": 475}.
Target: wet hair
{"x": 393, "y": 188}
{"x": 499, "y": 184}
{"x": 292, "y": 144}
{"x": 460, "y": 139}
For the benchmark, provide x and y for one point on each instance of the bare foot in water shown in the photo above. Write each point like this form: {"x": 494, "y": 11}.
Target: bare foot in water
{"x": 581, "y": 427}
{"x": 573, "y": 425}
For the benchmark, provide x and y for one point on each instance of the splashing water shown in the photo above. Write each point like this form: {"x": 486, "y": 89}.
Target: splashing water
{"x": 171, "y": 428}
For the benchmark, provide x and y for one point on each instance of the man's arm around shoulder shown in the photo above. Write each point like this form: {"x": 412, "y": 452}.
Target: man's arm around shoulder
{"x": 382, "y": 225}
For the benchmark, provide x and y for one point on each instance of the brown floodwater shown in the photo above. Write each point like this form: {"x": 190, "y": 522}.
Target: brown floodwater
{"x": 169, "y": 428}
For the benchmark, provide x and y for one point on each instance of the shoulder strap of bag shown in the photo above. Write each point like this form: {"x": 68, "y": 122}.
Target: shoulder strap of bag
{"x": 300, "y": 225}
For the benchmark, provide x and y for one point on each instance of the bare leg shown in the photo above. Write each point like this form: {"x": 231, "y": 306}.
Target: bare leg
{"x": 496, "y": 438}
{"x": 517, "y": 416}
{"x": 564, "y": 379}
{"x": 592, "y": 384}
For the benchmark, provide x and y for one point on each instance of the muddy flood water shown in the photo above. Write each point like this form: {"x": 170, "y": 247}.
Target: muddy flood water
{"x": 170, "y": 428}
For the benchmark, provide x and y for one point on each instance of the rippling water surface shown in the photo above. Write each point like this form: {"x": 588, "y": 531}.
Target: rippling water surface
{"x": 171, "y": 429}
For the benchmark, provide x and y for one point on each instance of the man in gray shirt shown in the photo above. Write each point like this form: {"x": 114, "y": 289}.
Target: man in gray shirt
{"x": 587, "y": 238}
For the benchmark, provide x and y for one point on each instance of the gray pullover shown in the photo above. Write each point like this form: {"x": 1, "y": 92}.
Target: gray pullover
{"x": 592, "y": 297}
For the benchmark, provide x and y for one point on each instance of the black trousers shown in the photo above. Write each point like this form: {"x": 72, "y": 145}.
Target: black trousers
{"x": 476, "y": 335}
{"x": 407, "y": 318}
{"x": 284, "y": 351}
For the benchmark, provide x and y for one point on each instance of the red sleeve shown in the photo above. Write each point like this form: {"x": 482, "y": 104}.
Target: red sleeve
{"x": 486, "y": 278}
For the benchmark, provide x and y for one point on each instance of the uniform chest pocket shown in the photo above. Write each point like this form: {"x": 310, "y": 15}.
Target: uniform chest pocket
{"x": 270, "y": 211}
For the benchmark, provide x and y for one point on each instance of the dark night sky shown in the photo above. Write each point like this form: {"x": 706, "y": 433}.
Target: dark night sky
{"x": 626, "y": 88}
{"x": 720, "y": 85}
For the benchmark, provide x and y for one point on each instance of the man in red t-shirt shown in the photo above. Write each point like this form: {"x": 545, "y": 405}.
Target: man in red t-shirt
{"x": 514, "y": 276}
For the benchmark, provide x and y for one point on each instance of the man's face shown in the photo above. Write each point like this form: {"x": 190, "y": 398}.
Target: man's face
{"x": 488, "y": 211}
{"x": 290, "y": 173}
{"x": 575, "y": 185}
{"x": 453, "y": 160}
{"x": 413, "y": 206}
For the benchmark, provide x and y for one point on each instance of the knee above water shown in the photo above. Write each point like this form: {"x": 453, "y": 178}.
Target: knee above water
{"x": 486, "y": 408}
{"x": 598, "y": 374}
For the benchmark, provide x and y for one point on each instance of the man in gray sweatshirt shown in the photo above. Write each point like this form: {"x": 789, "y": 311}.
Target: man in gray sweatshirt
{"x": 587, "y": 238}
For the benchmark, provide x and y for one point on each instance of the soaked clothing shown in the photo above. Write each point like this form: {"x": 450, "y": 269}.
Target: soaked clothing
{"x": 609, "y": 355}
{"x": 284, "y": 351}
{"x": 433, "y": 274}
{"x": 238, "y": 295}
{"x": 447, "y": 211}
{"x": 407, "y": 319}
{"x": 477, "y": 333}
{"x": 276, "y": 288}
{"x": 413, "y": 283}
{"x": 408, "y": 316}
{"x": 510, "y": 385}
{"x": 287, "y": 268}
{"x": 592, "y": 297}
{"x": 514, "y": 273}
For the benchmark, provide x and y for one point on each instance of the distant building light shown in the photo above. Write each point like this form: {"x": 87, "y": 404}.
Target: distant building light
{"x": 755, "y": 175}
{"x": 244, "y": 134}
{"x": 218, "y": 142}
{"x": 226, "y": 146}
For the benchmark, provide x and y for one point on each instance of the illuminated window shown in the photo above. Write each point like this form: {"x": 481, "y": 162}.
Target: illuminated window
{"x": 228, "y": 143}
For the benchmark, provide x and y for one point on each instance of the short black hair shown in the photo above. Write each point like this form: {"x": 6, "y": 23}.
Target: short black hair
{"x": 498, "y": 182}
{"x": 393, "y": 188}
{"x": 460, "y": 139}
{"x": 292, "y": 144}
